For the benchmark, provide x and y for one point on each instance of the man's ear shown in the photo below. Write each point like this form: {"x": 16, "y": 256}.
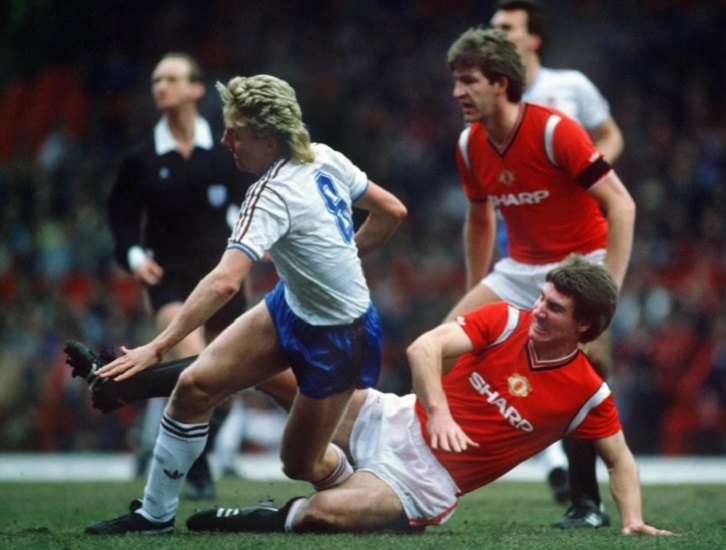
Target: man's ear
{"x": 535, "y": 42}
{"x": 503, "y": 82}
{"x": 271, "y": 145}
{"x": 583, "y": 327}
{"x": 199, "y": 90}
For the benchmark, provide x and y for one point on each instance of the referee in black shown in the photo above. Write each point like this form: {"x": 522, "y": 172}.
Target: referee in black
{"x": 170, "y": 213}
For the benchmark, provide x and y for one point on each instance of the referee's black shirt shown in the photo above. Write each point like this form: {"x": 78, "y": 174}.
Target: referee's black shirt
{"x": 175, "y": 207}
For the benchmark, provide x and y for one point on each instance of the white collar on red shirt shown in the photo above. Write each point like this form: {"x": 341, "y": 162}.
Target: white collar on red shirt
{"x": 164, "y": 142}
{"x": 537, "y": 363}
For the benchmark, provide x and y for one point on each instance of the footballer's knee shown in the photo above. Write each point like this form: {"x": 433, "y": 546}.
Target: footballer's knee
{"x": 299, "y": 470}
{"x": 192, "y": 395}
{"x": 301, "y": 464}
{"x": 331, "y": 468}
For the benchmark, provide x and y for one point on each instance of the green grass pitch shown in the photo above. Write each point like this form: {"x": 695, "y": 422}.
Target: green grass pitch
{"x": 511, "y": 515}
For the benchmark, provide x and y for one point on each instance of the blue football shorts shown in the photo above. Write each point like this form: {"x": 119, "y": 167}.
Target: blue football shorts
{"x": 328, "y": 359}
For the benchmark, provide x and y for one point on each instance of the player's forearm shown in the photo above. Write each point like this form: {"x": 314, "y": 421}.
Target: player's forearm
{"x": 206, "y": 299}
{"x": 609, "y": 140}
{"x": 625, "y": 488}
{"x": 375, "y": 232}
{"x": 385, "y": 214}
{"x": 478, "y": 236}
{"x": 424, "y": 359}
{"x": 620, "y": 240}
{"x": 478, "y": 250}
{"x": 611, "y": 148}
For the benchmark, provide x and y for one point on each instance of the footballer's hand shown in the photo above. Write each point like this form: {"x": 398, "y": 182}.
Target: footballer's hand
{"x": 132, "y": 361}
{"x": 447, "y": 435}
{"x": 645, "y": 529}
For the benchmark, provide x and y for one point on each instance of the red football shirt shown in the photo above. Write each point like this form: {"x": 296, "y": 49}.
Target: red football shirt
{"x": 513, "y": 405}
{"x": 539, "y": 179}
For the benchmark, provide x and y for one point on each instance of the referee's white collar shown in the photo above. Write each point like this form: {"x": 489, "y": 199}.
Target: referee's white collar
{"x": 164, "y": 141}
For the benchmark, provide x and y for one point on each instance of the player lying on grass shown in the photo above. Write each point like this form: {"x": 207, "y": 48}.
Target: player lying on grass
{"x": 492, "y": 388}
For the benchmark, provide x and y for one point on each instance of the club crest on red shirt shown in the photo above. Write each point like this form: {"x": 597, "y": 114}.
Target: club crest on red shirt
{"x": 519, "y": 386}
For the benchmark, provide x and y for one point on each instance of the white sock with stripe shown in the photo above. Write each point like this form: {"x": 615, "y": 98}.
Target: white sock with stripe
{"x": 342, "y": 472}
{"x": 177, "y": 447}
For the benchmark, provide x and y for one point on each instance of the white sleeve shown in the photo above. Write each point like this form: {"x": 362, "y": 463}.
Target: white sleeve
{"x": 263, "y": 220}
{"x": 593, "y": 107}
{"x": 348, "y": 173}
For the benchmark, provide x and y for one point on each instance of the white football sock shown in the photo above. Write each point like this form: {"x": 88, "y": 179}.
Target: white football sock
{"x": 177, "y": 447}
{"x": 342, "y": 472}
{"x": 292, "y": 512}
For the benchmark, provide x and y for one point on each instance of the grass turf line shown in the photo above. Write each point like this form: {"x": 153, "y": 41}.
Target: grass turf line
{"x": 505, "y": 515}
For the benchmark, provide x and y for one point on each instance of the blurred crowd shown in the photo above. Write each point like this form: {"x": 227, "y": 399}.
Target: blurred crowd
{"x": 372, "y": 80}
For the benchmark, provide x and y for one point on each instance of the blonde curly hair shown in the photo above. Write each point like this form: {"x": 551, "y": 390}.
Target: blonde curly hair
{"x": 268, "y": 107}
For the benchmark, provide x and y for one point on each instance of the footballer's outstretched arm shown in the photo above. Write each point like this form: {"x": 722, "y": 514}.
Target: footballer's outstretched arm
{"x": 624, "y": 484}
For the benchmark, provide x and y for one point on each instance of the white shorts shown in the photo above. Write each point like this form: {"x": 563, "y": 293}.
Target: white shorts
{"x": 386, "y": 440}
{"x": 521, "y": 284}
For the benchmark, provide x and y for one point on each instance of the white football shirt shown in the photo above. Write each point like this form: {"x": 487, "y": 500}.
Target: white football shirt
{"x": 301, "y": 213}
{"x": 572, "y": 93}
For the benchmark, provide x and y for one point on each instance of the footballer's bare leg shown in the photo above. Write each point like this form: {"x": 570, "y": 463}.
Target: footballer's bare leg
{"x": 362, "y": 503}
